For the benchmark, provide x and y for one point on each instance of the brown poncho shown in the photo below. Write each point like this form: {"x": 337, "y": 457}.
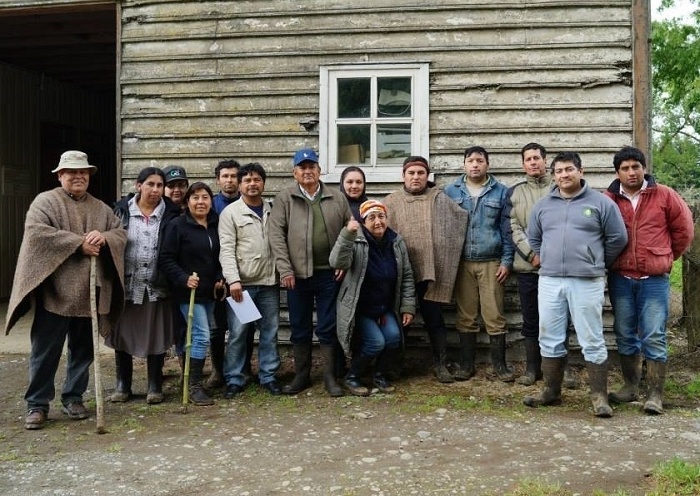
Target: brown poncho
{"x": 434, "y": 228}
{"x": 50, "y": 258}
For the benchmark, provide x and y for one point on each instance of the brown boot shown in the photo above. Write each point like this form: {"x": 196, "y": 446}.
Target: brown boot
{"x": 598, "y": 383}
{"x": 655, "y": 379}
{"x": 553, "y": 373}
{"x": 631, "y": 366}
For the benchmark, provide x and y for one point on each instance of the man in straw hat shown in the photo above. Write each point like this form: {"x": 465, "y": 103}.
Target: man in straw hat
{"x": 63, "y": 228}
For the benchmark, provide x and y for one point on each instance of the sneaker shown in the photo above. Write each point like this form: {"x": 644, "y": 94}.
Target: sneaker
{"x": 35, "y": 419}
{"x": 75, "y": 411}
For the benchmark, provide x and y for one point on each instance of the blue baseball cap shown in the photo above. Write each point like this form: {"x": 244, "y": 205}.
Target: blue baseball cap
{"x": 305, "y": 155}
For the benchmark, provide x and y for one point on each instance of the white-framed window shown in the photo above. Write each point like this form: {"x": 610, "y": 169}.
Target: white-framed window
{"x": 373, "y": 116}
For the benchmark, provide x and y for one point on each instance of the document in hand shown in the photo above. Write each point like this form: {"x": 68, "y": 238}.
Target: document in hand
{"x": 245, "y": 311}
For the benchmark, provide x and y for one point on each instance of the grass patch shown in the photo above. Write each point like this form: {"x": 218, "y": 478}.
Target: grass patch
{"x": 676, "y": 277}
{"x": 691, "y": 390}
{"x": 675, "y": 477}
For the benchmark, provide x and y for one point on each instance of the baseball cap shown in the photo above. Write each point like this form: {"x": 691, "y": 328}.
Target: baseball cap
{"x": 174, "y": 173}
{"x": 305, "y": 155}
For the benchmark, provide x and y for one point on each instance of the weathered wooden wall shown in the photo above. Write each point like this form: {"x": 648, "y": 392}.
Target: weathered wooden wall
{"x": 203, "y": 81}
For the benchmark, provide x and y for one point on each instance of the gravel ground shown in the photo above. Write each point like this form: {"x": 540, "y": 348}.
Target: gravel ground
{"x": 464, "y": 438}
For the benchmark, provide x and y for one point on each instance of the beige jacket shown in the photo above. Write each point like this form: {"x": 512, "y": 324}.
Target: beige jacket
{"x": 245, "y": 253}
{"x": 521, "y": 198}
{"x": 291, "y": 228}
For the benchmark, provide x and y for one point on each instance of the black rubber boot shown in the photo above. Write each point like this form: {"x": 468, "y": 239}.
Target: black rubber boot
{"x": 570, "y": 380}
{"x": 552, "y": 373}
{"x": 598, "y": 382}
{"x": 197, "y": 394}
{"x": 353, "y": 382}
{"x": 302, "y": 369}
{"x": 438, "y": 343}
{"x": 498, "y": 358}
{"x": 655, "y": 379}
{"x": 533, "y": 364}
{"x": 631, "y": 366}
{"x": 467, "y": 368}
{"x": 332, "y": 386}
{"x": 154, "y": 364}
{"x": 217, "y": 348}
{"x": 340, "y": 363}
{"x": 125, "y": 370}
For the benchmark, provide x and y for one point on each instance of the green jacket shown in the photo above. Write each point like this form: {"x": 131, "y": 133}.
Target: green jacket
{"x": 291, "y": 228}
{"x": 350, "y": 253}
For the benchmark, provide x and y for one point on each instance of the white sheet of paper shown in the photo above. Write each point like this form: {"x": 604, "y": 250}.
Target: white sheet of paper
{"x": 245, "y": 311}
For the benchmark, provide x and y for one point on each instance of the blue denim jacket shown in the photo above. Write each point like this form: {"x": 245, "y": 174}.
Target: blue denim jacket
{"x": 488, "y": 233}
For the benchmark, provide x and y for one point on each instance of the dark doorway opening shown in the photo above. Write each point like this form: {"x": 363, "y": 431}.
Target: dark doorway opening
{"x": 75, "y": 45}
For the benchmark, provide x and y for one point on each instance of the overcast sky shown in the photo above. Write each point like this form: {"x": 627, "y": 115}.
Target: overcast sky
{"x": 681, "y": 9}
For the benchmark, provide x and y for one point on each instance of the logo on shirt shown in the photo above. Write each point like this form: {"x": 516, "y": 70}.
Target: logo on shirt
{"x": 588, "y": 212}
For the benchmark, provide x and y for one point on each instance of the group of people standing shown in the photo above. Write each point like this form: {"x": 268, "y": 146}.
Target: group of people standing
{"x": 365, "y": 266}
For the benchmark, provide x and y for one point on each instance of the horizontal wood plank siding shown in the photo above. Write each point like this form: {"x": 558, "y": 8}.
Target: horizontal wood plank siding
{"x": 204, "y": 81}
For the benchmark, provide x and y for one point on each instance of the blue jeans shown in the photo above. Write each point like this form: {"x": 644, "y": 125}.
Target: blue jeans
{"x": 48, "y": 334}
{"x": 322, "y": 288}
{"x": 641, "y": 309}
{"x": 582, "y": 297}
{"x": 201, "y": 323}
{"x": 378, "y": 334}
{"x": 267, "y": 299}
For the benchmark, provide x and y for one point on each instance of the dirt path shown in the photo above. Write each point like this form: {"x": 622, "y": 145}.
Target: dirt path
{"x": 465, "y": 438}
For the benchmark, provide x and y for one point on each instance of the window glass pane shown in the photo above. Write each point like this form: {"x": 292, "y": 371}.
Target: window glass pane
{"x": 393, "y": 143}
{"x": 353, "y": 98}
{"x": 353, "y": 143}
{"x": 394, "y": 97}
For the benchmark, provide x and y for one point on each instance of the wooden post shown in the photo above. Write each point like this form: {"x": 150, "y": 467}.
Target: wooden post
{"x": 691, "y": 289}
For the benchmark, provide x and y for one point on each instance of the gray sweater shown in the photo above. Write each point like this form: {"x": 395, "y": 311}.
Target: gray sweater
{"x": 576, "y": 237}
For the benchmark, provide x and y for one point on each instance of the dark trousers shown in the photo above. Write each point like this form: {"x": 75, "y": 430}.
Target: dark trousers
{"x": 431, "y": 311}
{"x": 48, "y": 334}
{"x": 322, "y": 288}
{"x": 527, "y": 287}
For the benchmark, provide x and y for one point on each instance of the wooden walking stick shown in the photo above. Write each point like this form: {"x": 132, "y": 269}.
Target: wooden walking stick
{"x": 188, "y": 347}
{"x": 99, "y": 398}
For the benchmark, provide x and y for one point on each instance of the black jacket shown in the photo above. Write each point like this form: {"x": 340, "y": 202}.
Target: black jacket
{"x": 190, "y": 247}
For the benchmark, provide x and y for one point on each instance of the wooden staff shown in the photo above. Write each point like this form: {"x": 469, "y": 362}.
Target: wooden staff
{"x": 188, "y": 347}
{"x": 99, "y": 398}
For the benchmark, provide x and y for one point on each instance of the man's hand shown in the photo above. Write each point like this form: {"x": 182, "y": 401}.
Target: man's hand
{"x": 502, "y": 274}
{"x": 339, "y": 274}
{"x": 535, "y": 262}
{"x": 236, "y": 290}
{"x": 92, "y": 242}
{"x": 288, "y": 282}
{"x": 406, "y": 319}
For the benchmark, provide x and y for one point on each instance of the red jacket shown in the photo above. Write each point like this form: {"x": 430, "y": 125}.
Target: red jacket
{"x": 659, "y": 231}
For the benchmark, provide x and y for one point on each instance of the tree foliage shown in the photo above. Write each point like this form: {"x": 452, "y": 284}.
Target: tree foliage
{"x": 676, "y": 100}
